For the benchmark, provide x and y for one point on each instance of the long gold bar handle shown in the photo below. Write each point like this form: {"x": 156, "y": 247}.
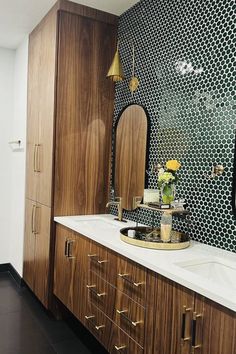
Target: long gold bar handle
{"x": 123, "y": 312}
{"x": 32, "y": 219}
{"x": 92, "y": 289}
{"x": 125, "y": 277}
{"x": 35, "y": 170}
{"x": 36, "y": 220}
{"x": 186, "y": 310}
{"x": 70, "y": 249}
{"x": 38, "y": 158}
{"x": 194, "y": 331}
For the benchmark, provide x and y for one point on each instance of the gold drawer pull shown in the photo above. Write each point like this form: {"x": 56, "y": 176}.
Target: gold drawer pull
{"x": 120, "y": 348}
{"x": 183, "y": 329}
{"x": 94, "y": 257}
{"x": 122, "y": 313}
{"x": 194, "y": 330}
{"x": 99, "y": 327}
{"x": 101, "y": 262}
{"x": 125, "y": 277}
{"x": 70, "y": 248}
{"x": 92, "y": 289}
{"x": 89, "y": 317}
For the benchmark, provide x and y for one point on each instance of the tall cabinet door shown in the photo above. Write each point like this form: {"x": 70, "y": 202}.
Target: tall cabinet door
{"x": 64, "y": 266}
{"x": 84, "y": 115}
{"x": 29, "y": 243}
{"x": 45, "y": 105}
{"x": 42, "y": 249}
{"x": 33, "y": 115}
{"x": 214, "y": 328}
{"x": 169, "y": 317}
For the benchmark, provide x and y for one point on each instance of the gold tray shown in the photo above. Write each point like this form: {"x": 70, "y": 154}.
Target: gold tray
{"x": 156, "y": 244}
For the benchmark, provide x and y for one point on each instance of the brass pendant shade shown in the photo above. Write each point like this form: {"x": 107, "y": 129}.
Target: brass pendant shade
{"x": 116, "y": 72}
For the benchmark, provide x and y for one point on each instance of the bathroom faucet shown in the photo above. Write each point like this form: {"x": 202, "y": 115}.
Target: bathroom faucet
{"x": 117, "y": 202}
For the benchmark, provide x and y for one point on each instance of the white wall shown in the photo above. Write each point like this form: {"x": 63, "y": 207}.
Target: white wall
{"x": 18, "y": 131}
{"x": 7, "y": 61}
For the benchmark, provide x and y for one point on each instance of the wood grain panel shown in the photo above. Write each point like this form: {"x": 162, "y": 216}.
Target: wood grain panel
{"x": 101, "y": 294}
{"x": 84, "y": 116}
{"x": 130, "y": 155}
{"x": 81, "y": 277}
{"x": 98, "y": 324}
{"x": 165, "y": 308}
{"x": 42, "y": 247}
{"x": 29, "y": 245}
{"x": 133, "y": 274}
{"x": 119, "y": 340}
{"x": 103, "y": 262}
{"x": 215, "y": 329}
{"x": 132, "y": 321}
{"x": 64, "y": 268}
{"x": 32, "y": 115}
{"x": 45, "y": 108}
{"x": 89, "y": 12}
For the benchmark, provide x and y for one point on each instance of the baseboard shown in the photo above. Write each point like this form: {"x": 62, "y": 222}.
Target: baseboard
{"x": 8, "y": 267}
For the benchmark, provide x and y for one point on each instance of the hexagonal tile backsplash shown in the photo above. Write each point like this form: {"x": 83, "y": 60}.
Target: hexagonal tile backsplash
{"x": 185, "y": 52}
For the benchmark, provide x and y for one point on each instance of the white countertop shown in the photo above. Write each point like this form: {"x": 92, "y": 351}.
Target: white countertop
{"x": 167, "y": 263}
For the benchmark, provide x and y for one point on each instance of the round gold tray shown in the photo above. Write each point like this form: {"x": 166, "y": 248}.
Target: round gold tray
{"x": 178, "y": 241}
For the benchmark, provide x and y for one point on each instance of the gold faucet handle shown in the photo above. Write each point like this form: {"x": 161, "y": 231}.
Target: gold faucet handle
{"x": 118, "y": 199}
{"x": 137, "y": 201}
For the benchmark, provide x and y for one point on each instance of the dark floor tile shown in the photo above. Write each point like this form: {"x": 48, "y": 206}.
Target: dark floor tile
{"x": 19, "y": 333}
{"x": 10, "y": 300}
{"x": 74, "y": 346}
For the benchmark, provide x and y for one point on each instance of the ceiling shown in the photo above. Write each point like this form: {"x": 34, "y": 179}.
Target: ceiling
{"x": 19, "y": 17}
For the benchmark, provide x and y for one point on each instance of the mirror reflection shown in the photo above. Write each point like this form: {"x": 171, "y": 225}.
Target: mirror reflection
{"x": 130, "y": 159}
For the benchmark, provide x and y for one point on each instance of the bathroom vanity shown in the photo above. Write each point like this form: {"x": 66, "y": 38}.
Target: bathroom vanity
{"x": 135, "y": 300}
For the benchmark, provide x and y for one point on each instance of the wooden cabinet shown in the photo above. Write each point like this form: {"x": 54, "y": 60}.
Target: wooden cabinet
{"x": 69, "y": 129}
{"x": 180, "y": 321}
{"x": 156, "y": 317}
{"x": 37, "y": 241}
{"x": 214, "y": 328}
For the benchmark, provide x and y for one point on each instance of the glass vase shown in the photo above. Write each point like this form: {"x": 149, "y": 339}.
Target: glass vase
{"x": 168, "y": 193}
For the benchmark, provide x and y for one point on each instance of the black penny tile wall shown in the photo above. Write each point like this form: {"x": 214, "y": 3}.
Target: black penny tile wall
{"x": 185, "y": 61}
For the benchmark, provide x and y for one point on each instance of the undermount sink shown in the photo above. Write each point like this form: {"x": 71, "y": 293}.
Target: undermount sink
{"x": 99, "y": 222}
{"x": 215, "y": 270}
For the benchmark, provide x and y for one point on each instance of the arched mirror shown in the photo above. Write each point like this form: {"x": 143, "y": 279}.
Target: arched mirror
{"x": 131, "y": 157}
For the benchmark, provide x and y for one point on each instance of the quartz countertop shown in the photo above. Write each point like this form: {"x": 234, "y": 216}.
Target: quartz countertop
{"x": 104, "y": 230}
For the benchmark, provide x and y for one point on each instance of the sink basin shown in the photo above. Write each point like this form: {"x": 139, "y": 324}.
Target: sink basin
{"x": 215, "y": 270}
{"x": 99, "y": 222}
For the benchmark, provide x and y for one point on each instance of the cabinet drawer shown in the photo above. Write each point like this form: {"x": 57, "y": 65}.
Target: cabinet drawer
{"x": 122, "y": 343}
{"x": 131, "y": 280}
{"x": 130, "y": 317}
{"x": 98, "y": 324}
{"x": 102, "y": 262}
{"x": 101, "y": 294}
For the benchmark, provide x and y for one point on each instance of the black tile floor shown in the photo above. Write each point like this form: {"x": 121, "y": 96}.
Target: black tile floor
{"x": 26, "y": 328}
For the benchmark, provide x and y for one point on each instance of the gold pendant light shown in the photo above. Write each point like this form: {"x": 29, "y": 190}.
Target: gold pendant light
{"x": 116, "y": 72}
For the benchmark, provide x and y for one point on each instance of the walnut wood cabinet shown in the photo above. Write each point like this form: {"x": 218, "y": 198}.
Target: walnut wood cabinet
{"x": 69, "y": 129}
{"x": 132, "y": 310}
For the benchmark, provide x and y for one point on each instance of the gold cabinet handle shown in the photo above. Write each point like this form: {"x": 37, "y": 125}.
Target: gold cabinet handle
{"x": 94, "y": 257}
{"x": 125, "y": 277}
{"x": 99, "y": 327}
{"x": 186, "y": 310}
{"x": 32, "y": 219}
{"x": 194, "y": 331}
{"x": 35, "y": 170}
{"x": 123, "y": 312}
{"x": 120, "y": 348}
{"x": 70, "y": 249}
{"x": 37, "y": 158}
{"x": 92, "y": 289}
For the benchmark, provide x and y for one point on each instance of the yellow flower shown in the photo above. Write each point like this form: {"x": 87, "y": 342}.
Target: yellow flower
{"x": 173, "y": 165}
